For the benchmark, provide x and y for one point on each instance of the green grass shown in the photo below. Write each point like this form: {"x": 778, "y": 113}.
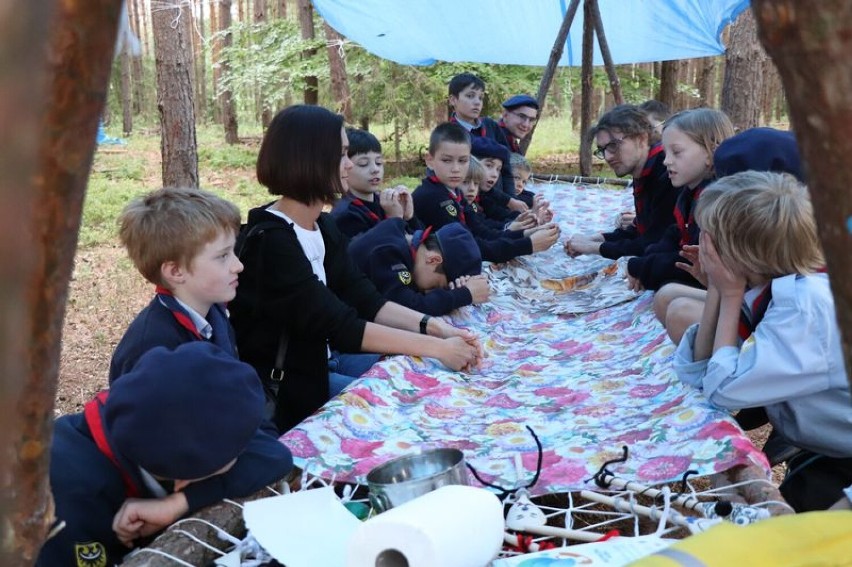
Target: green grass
{"x": 120, "y": 174}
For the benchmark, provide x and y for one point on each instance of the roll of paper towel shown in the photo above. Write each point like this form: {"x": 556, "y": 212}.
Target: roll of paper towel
{"x": 453, "y": 526}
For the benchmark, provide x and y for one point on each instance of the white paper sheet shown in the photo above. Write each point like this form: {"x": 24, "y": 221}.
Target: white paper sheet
{"x": 303, "y": 529}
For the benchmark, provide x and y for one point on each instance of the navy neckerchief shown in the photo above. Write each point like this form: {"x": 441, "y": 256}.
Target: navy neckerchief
{"x": 454, "y": 195}
{"x": 216, "y": 317}
{"x": 639, "y": 186}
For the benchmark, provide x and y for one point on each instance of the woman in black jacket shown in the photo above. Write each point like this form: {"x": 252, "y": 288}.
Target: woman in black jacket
{"x": 300, "y": 295}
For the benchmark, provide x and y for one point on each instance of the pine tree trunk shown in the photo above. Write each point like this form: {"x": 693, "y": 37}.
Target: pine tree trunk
{"x": 138, "y": 69}
{"x": 810, "y": 43}
{"x": 707, "y": 82}
{"x": 215, "y": 56}
{"x": 173, "y": 52}
{"x": 743, "y": 81}
{"x": 261, "y": 104}
{"x": 282, "y": 9}
{"x": 337, "y": 69}
{"x": 126, "y": 94}
{"x": 306, "y": 23}
{"x": 668, "y": 84}
{"x": 52, "y": 93}
{"x": 229, "y": 111}
{"x": 201, "y": 64}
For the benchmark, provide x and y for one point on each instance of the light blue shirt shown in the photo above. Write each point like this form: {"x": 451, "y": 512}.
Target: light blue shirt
{"x": 204, "y": 328}
{"x": 792, "y": 364}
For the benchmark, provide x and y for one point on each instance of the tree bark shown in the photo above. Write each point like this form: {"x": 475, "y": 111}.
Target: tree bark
{"x": 337, "y": 68}
{"x": 172, "y": 47}
{"x": 282, "y": 9}
{"x": 126, "y": 94}
{"x": 668, "y": 84}
{"x": 587, "y": 90}
{"x": 229, "y": 111}
{"x": 138, "y": 71}
{"x": 215, "y": 56}
{"x": 743, "y": 81}
{"x": 306, "y": 23}
{"x": 45, "y": 167}
{"x": 810, "y": 43}
{"x": 261, "y": 104}
{"x": 707, "y": 82}
{"x": 201, "y": 63}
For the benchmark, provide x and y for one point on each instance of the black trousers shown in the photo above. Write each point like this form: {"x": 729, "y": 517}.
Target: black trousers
{"x": 815, "y": 482}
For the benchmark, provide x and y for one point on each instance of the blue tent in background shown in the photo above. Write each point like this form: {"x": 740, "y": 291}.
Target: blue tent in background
{"x": 522, "y": 32}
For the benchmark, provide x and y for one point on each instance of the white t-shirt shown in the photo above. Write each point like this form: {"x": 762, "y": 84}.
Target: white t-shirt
{"x": 311, "y": 242}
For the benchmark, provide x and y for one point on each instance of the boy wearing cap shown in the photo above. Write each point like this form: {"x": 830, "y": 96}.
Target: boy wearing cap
{"x": 165, "y": 440}
{"x": 437, "y": 201}
{"x": 466, "y": 93}
{"x": 366, "y": 204}
{"x": 182, "y": 241}
{"x": 431, "y": 272}
{"x": 520, "y": 113}
{"x": 493, "y": 156}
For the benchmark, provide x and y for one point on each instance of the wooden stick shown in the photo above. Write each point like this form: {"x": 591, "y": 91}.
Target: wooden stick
{"x": 565, "y": 533}
{"x": 625, "y": 506}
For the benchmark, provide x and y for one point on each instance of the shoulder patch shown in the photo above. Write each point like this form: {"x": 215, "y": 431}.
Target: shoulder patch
{"x": 404, "y": 277}
{"x": 90, "y": 554}
{"x": 451, "y": 210}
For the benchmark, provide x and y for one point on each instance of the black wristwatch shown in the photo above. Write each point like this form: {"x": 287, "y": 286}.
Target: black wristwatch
{"x": 423, "y": 322}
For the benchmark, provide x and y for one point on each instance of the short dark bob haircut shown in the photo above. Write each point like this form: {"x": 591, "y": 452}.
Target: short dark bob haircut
{"x": 300, "y": 154}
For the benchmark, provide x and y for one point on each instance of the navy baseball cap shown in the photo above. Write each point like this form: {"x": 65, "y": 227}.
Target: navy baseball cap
{"x": 183, "y": 414}
{"x": 460, "y": 251}
{"x": 521, "y": 100}
{"x": 759, "y": 149}
{"x": 487, "y": 148}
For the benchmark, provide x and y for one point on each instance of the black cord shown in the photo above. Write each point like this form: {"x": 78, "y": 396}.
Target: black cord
{"x": 504, "y": 492}
{"x": 598, "y": 477}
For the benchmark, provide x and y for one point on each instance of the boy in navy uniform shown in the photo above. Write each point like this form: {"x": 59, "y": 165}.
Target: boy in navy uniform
{"x": 520, "y": 113}
{"x": 466, "y": 93}
{"x": 437, "y": 201}
{"x": 493, "y": 156}
{"x": 431, "y": 272}
{"x": 366, "y": 204}
{"x": 182, "y": 241}
{"x": 521, "y": 172}
{"x": 164, "y": 441}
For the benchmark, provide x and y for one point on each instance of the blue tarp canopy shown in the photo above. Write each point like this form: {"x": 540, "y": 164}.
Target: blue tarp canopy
{"x": 522, "y": 32}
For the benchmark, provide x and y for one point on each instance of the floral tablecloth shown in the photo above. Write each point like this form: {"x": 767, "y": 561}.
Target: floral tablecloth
{"x": 589, "y": 371}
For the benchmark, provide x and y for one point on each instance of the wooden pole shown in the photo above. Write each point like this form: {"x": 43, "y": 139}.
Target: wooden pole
{"x": 587, "y": 89}
{"x": 614, "y": 82}
{"x": 552, "y": 62}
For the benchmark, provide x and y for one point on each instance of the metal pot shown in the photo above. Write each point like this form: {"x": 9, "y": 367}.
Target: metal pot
{"x": 405, "y": 478}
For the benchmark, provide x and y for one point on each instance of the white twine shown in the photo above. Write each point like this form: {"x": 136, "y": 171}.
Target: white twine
{"x": 164, "y": 554}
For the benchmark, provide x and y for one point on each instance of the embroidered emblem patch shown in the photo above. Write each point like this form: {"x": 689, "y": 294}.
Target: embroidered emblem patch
{"x": 451, "y": 210}
{"x": 404, "y": 277}
{"x": 90, "y": 554}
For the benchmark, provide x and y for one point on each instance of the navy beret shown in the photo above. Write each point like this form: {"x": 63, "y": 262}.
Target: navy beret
{"x": 487, "y": 148}
{"x": 520, "y": 100}
{"x": 183, "y": 414}
{"x": 759, "y": 149}
{"x": 460, "y": 251}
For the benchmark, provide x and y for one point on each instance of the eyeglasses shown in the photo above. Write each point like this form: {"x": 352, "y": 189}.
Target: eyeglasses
{"x": 525, "y": 117}
{"x": 610, "y": 148}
